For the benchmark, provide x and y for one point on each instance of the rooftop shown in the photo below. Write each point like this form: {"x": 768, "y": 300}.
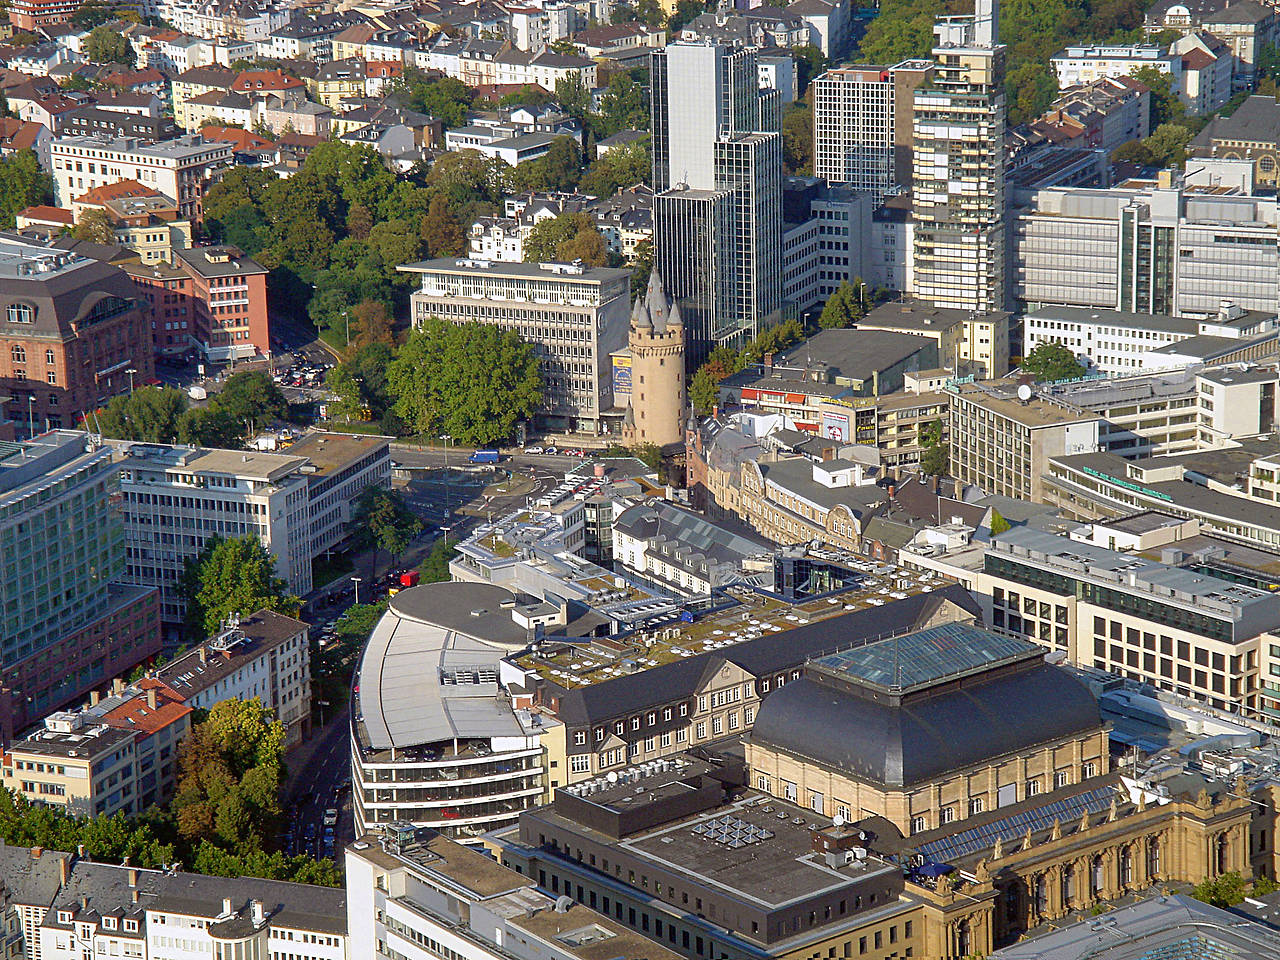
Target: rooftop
{"x": 926, "y": 657}
{"x": 1171, "y": 927}
{"x": 1000, "y": 396}
{"x": 550, "y": 272}
{"x": 198, "y": 669}
{"x": 330, "y": 452}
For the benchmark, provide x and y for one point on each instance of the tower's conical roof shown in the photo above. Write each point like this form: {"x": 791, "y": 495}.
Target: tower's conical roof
{"x": 640, "y": 314}
{"x": 658, "y": 303}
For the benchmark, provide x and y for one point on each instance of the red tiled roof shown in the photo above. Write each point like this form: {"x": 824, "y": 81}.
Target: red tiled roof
{"x": 44, "y": 214}
{"x": 115, "y": 191}
{"x": 238, "y": 137}
{"x": 137, "y": 714}
{"x": 251, "y": 80}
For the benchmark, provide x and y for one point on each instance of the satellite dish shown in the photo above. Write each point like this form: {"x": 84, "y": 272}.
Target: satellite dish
{"x": 613, "y": 776}
{"x": 837, "y": 821}
{"x": 1024, "y": 392}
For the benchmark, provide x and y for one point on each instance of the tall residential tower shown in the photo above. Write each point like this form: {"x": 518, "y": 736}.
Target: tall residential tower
{"x": 958, "y": 167}
{"x": 717, "y": 164}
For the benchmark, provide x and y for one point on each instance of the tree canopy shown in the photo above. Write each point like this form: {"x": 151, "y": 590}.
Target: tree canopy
{"x": 472, "y": 381}
{"x": 104, "y": 45}
{"x": 22, "y": 184}
{"x": 149, "y": 414}
{"x": 383, "y": 521}
{"x": 844, "y": 308}
{"x": 1052, "y": 361}
{"x": 568, "y": 237}
{"x": 232, "y": 576}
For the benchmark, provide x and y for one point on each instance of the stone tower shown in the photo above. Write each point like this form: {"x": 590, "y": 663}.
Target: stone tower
{"x": 657, "y": 342}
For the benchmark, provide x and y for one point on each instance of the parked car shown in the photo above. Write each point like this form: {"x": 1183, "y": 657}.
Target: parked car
{"x": 551, "y": 451}
{"x": 533, "y": 450}
{"x": 330, "y": 818}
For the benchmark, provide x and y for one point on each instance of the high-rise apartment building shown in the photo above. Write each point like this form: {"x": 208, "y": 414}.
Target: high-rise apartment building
{"x": 862, "y": 128}
{"x": 717, "y": 164}
{"x": 66, "y": 624}
{"x": 958, "y": 167}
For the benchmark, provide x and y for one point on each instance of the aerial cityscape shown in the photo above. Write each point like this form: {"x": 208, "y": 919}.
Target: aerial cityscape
{"x": 639, "y": 480}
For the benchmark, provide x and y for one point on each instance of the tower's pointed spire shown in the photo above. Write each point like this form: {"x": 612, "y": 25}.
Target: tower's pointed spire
{"x": 656, "y": 300}
{"x": 640, "y": 314}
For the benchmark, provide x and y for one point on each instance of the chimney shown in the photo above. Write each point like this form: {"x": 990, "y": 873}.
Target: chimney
{"x": 80, "y": 850}
{"x": 117, "y": 686}
{"x": 63, "y": 863}
{"x": 133, "y": 882}
{"x": 226, "y": 906}
{"x": 204, "y": 654}
{"x": 259, "y": 915}
{"x": 768, "y": 362}
{"x": 151, "y": 698}
{"x": 36, "y": 852}
{"x": 94, "y": 697}
{"x": 134, "y": 896}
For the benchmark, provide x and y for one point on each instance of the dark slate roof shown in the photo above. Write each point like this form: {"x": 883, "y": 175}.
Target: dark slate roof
{"x": 27, "y": 879}
{"x": 762, "y": 656}
{"x": 922, "y": 737}
{"x": 1257, "y": 120}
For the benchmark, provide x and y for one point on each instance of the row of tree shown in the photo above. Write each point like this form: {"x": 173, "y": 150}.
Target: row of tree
{"x": 246, "y": 403}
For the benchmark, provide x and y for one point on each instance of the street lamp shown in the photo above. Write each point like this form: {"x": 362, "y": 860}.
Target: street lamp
{"x": 448, "y": 508}
{"x": 131, "y": 371}
{"x": 356, "y": 581}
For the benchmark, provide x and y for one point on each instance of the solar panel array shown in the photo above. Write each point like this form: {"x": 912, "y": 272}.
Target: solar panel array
{"x": 733, "y": 832}
{"x": 1015, "y": 826}
{"x": 926, "y": 655}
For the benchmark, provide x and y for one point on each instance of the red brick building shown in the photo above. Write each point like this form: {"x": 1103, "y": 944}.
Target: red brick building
{"x": 171, "y": 312}
{"x": 72, "y": 335}
{"x": 228, "y": 292}
{"x": 31, "y": 15}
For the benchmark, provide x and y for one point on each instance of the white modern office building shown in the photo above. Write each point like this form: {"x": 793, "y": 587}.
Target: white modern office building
{"x": 176, "y": 499}
{"x": 575, "y": 315}
{"x": 1151, "y": 247}
{"x": 435, "y": 738}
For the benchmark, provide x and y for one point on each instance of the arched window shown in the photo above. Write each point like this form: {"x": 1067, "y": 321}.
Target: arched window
{"x": 1153, "y": 858}
{"x": 1222, "y": 854}
{"x": 1095, "y": 877}
{"x": 18, "y": 353}
{"x": 1068, "y": 885}
{"x": 21, "y": 313}
{"x": 1126, "y": 866}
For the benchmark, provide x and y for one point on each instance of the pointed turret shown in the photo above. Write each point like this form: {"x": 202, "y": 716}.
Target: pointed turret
{"x": 640, "y": 314}
{"x": 655, "y": 299}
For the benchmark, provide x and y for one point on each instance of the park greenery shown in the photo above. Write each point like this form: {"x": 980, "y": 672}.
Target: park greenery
{"x": 935, "y": 453}
{"x": 383, "y": 521}
{"x": 232, "y": 576}
{"x": 1052, "y": 361}
{"x": 22, "y": 184}
{"x": 247, "y": 402}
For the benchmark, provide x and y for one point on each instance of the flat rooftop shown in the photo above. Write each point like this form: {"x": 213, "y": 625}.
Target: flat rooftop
{"x": 1000, "y": 397}
{"x": 754, "y": 616}
{"x": 36, "y": 261}
{"x": 1140, "y": 523}
{"x": 727, "y": 847}
{"x": 330, "y": 452}
{"x": 550, "y": 272}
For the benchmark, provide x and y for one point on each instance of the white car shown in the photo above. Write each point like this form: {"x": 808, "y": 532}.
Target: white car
{"x": 532, "y": 449}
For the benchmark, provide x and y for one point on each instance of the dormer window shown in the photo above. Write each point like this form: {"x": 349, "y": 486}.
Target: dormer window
{"x": 21, "y": 313}
{"x": 108, "y": 923}
{"x": 64, "y": 916}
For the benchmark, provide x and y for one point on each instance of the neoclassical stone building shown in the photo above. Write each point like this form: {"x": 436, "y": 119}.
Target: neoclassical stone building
{"x": 962, "y": 754}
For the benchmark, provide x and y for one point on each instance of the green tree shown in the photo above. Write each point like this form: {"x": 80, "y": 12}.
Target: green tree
{"x": 1165, "y": 104}
{"x": 563, "y": 164}
{"x": 903, "y": 30}
{"x": 349, "y": 404}
{"x": 843, "y": 308}
{"x": 773, "y": 339}
{"x": 1052, "y": 361}
{"x": 809, "y": 64}
{"x": 1168, "y": 144}
{"x": 104, "y": 45}
{"x": 998, "y": 523}
{"x": 230, "y": 775}
{"x": 94, "y": 226}
{"x": 624, "y": 105}
{"x": 567, "y": 237}
{"x": 797, "y": 138}
{"x": 210, "y": 427}
{"x": 383, "y": 521}
{"x": 149, "y": 414}
{"x": 22, "y": 184}
{"x": 642, "y": 265}
{"x": 232, "y": 576}
{"x": 684, "y": 12}
{"x": 472, "y": 381}
{"x": 435, "y": 569}
{"x": 704, "y": 386}
{"x": 446, "y": 98}
{"x": 1224, "y": 891}
{"x": 621, "y": 166}
{"x": 573, "y": 95}
{"x": 935, "y": 461}
{"x": 253, "y": 399}
{"x": 441, "y": 231}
